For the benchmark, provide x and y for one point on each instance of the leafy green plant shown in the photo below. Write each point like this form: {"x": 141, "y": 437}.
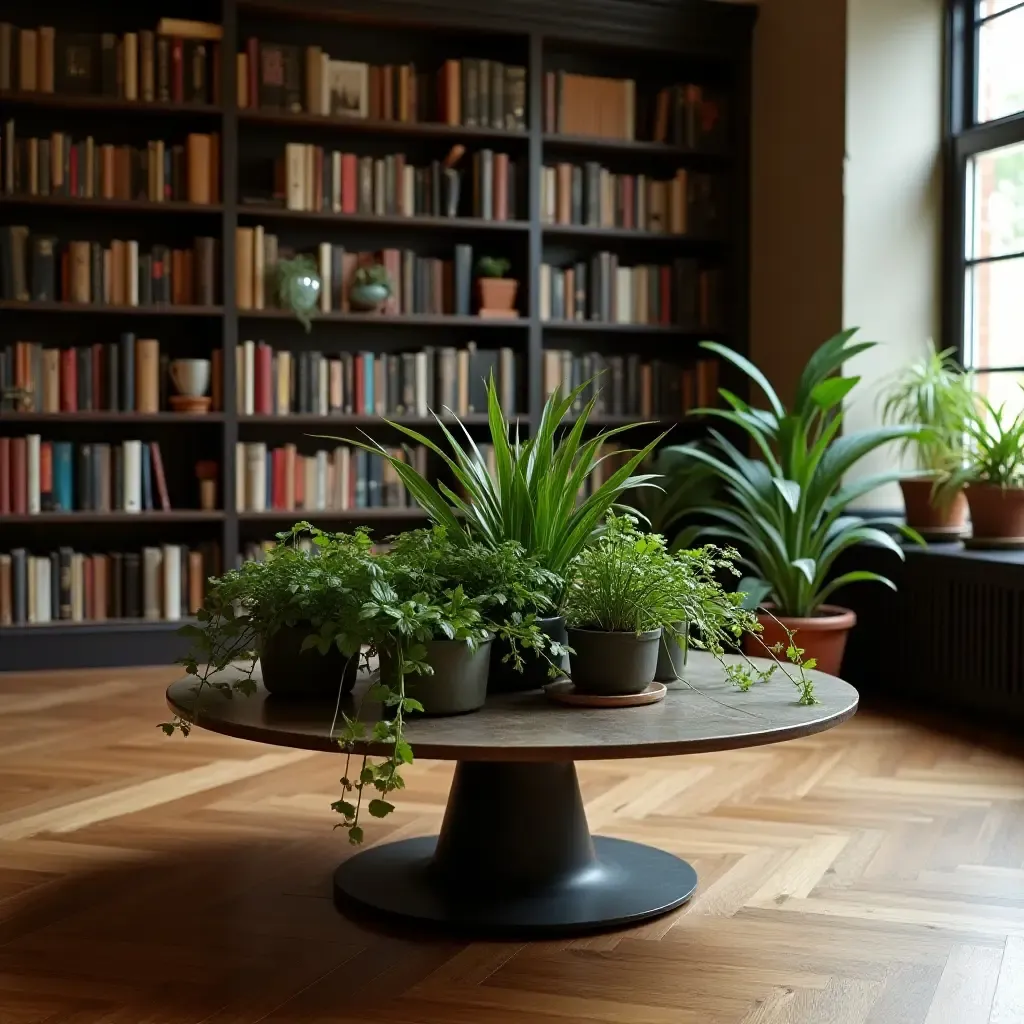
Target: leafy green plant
{"x": 492, "y": 266}
{"x": 298, "y": 287}
{"x": 936, "y": 394}
{"x": 995, "y": 447}
{"x": 532, "y": 498}
{"x": 787, "y": 510}
{"x": 374, "y": 274}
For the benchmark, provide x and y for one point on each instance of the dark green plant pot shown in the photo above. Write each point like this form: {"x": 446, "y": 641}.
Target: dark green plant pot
{"x": 459, "y": 682}
{"x": 671, "y": 656}
{"x": 613, "y": 664}
{"x": 368, "y": 296}
{"x": 505, "y": 679}
{"x": 289, "y": 671}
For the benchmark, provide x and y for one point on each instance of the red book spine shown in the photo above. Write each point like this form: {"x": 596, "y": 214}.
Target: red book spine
{"x": 46, "y": 475}
{"x": 68, "y": 381}
{"x": 500, "y": 186}
{"x": 300, "y": 481}
{"x": 99, "y": 378}
{"x": 348, "y": 183}
{"x": 252, "y": 49}
{"x": 73, "y": 170}
{"x": 264, "y": 380}
{"x": 90, "y": 597}
{"x": 158, "y": 472}
{"x": 278, "y": 472}
{"x": 665, "y": 292}
{"x": 19, "y": 476}
{"x": 5, "y": 476}
{"x": 177, "y": 71}
{"x": 360, "y": 375}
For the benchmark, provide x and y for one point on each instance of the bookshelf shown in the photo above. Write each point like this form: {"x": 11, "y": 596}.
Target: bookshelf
{"x": 655, "y": 45}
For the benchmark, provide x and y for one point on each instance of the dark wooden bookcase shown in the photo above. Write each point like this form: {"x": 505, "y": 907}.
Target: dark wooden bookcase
{"x": 655, "y": 42}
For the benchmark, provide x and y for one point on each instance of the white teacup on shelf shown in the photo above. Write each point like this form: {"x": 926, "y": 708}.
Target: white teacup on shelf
{"x": 191, "y": 376}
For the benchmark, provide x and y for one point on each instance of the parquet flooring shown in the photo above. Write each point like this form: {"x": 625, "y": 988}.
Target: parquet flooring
{"x": 870, "y": 875}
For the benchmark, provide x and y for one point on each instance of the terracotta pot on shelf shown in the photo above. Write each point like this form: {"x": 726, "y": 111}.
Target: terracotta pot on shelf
{"x": 498, "y": 296}
{"x": 822, "y": 635}
{"x": 924, "y": 515}
{"x": 997, "y": 513}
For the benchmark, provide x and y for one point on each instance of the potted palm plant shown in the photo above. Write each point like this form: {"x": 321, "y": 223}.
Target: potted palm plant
{"x": 994, "y": 475}
{"x": 531, "y": 499}
{"x": 788, "y": 510}
{"x": 935, "y": 393}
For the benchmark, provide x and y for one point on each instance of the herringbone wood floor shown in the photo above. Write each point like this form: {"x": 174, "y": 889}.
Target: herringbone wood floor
{"x": 870, "y": 875}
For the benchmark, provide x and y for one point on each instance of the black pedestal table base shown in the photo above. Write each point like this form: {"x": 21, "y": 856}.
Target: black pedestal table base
{"x": 515, "y": 857}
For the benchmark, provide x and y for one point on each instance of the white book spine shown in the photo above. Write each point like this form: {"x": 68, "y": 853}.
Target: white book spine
{"x": 545, "y": 291}
{"x": 257, "y": 458}
{"x": 324, "y": 379}
{"x": 325, "y": 277}
{"x": 421, "y": 384}
{"x": 345, "y": 478}
{"x": 44, "y": 608}
{"x": 131, "y": 457}
{"x": 240, "y": 464}
{"x": 506, "y": 380}
{"x": 321, "y": 480}
{"x": 249, "y": 377}
{"x": 623, "y": 294}
{"x": 32, "y": 443}
{"x": 336, "y": 182}
{"x": 151, "y": 589}
{"x": 172, "y": 582}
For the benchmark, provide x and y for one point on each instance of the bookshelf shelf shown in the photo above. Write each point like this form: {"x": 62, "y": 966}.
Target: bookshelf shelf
{"x": 79, "y": 518}
{"x": 354, "y": 420}
{"x": 397, "y": 320}
{"x": 599, "y": 234}
{"x": 135, "y": 206}
{"x": 353, "y": 515}
{"x": 368, "y": 126}
{"x": 417, "y": 223}
{"x": 597, "y": 145}
{"x": 14, "y": 418}
{"x": 61, "y": 626}
{"x": 98, "y": 309}
{"x": 601, "y": 327}
{"x": 112, "y": 104}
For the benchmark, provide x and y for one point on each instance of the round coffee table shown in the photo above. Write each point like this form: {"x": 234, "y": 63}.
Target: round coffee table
{"x": 515, "y": 855}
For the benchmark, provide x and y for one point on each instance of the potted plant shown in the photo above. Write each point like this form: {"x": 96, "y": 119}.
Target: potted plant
{"x": 788, "y": 510}
{"x": 497, "y": 292}
{"x": 298, "y": 287}
{"x": 371, "y": 287}
{"x": 935, "y": 393}
{"x": 994, "y": 474}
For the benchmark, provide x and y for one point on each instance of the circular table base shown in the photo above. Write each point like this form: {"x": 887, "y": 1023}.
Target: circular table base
{"x": 627, "y": 883}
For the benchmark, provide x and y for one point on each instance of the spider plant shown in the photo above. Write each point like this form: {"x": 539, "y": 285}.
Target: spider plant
{"x": 786, "y": 511}
{"x": 995, "y": 447}
{"x": 532, "y": 498}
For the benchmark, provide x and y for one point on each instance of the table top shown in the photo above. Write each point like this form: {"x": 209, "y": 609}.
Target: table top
{"x": 708, "y": 714}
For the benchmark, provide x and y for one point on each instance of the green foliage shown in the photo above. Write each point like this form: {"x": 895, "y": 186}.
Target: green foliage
{"x": 936, "y": 394}
{"x": 995, "y": 447}
{"x": 532, "y": 497}
{"x": 298, "y": 286}
{"x": 374, "y": 274}
{"x": 492, "y": 266}
{"x": 785, "y": 511}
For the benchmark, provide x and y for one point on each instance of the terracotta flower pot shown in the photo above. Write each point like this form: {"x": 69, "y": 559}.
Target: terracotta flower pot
{"x": 997, "y": 513}
{"x": 922, "y": 514}
{"x": 498, "y": 293}
{"x": 822, "y": 636}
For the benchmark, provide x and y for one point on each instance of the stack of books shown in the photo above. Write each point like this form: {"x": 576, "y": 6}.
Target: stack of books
{"x": 57, "y": 165}
{"x": 166, "y": 582}
{"x": 59, "y": 476}
{"x": 334, "y": 480}
{"x": 311, "y": 179}
{"x": 364, "y": 383}
{"x": 35, "y": 268}
{"x": 591, "y": 195}
{"x": 629, "y": 386}
{"x": 469, "y": 92}
{"x": 179, "y": 62}
{"x": 420, "y": 284}
{"x": 683, "y": 293}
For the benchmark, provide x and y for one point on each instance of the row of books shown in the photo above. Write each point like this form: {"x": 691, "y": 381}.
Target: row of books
{"x": 687, "y": 115}
{"x": 470, "y": 92}
{"x": 128, "y": 375}
{"x": 60, "y": 476}
{"x": 310, "y": 178}
{"x": 57, "y": 165}
{"x": 179, "y": 62}
{"x": 166, "y": 582}
{"x": 365, "y": 383}
{"x": 629, "y": 386}
{"x": 594, "y": 196}
{"x": 327, "y": 480}
{"x": 683, "y": 293}
{"x": 419, "y": 284}
{"x": 36, "y": 268}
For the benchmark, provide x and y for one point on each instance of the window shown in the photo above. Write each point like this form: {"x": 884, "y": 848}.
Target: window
{"x": 985, "y": 190}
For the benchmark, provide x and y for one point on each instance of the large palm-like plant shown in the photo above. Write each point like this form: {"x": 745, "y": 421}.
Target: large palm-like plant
{"x": 532, "y": 495}
{"x": 786, "y": 511}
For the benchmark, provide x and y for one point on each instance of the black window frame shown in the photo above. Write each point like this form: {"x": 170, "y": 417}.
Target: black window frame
{"x": 965, "y": 138}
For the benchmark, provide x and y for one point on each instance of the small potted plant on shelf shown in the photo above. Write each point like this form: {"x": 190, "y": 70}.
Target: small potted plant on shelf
{"x": 298, "y": 287}
{"x": 935, "y": 393}
{"x": 994, "y": 475}
{"x": 497, "y": 292}
{"x": 371, "y": 287}
{"x": 788, "y": 511}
